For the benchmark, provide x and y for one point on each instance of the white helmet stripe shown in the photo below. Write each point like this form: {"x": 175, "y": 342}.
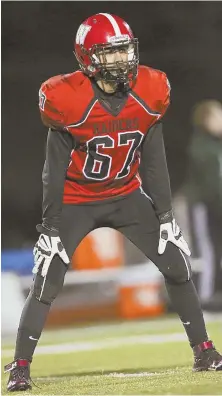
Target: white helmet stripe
{"x": 113, "y": 22}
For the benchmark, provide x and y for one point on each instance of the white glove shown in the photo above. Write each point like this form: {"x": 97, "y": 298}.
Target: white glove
{"x": 45, "y": 249}
{"x": 170, "y": 232}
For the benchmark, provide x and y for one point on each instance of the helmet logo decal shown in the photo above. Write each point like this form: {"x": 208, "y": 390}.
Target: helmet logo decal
{"x": 42, "y": 100}
{"x": 82, "y": 33}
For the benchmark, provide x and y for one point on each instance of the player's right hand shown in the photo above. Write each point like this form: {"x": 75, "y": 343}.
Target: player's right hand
{"x": 170, "y": 232}
{"x": 45, "y": 249}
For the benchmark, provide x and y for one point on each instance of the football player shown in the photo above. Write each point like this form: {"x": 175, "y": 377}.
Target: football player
{"x": 105, "y": 166}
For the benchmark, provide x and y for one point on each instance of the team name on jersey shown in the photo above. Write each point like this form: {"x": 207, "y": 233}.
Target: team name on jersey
{"x": 122, "y": 124}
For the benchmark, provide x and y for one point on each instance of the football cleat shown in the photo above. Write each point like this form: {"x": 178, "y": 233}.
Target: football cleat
{"x": 206, "y": 357}
{"x": 19, "y": 378}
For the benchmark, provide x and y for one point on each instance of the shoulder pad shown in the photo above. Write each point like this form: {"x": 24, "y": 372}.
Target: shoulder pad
{"x": 55, "y": 96}
{"x": 50, "y": 105}
{"x": 154, "y": 88}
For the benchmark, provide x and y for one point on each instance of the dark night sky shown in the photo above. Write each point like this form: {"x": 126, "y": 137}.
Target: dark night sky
{"x": 181, "y": 38}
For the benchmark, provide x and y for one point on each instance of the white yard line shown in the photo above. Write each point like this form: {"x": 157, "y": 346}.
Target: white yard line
{"x": 113, "y": 375}
{"x": 108, "y": 343}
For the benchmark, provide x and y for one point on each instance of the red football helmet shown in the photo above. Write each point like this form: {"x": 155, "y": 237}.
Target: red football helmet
{"x": 99, "y": 35}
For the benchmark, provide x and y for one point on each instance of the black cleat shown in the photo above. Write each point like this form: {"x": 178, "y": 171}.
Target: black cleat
{"x": 206, "y": 357}
{"x": 19, "y": 378}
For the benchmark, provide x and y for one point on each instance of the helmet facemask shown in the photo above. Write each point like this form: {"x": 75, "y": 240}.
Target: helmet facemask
{"x": 117, "y": 71}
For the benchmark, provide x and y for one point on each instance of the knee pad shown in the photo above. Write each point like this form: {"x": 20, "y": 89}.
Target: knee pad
{"x": 46, "y": 289}
{"x": 179, "y": 272}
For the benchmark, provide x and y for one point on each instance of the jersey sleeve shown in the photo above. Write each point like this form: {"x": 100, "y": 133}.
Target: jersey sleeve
{"x": 50, "y": 104}
{"x": 154, "y": 171}
{"x": 58, "y": 149}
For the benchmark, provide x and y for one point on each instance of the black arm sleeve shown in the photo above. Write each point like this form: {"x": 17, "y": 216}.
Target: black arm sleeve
{"x": 153, "y": 170}
{"x": 58, "y": 150}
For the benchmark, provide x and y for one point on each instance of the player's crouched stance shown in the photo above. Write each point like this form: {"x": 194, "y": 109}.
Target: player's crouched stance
{"x": 104, "y": 130}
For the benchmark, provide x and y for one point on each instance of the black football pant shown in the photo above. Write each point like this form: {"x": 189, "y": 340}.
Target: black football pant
{"x": 134, "y": 216}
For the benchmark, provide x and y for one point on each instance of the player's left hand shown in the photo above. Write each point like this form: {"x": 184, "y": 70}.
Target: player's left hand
{"x": 45, "y": 249}
{"x": 170, "y": 232}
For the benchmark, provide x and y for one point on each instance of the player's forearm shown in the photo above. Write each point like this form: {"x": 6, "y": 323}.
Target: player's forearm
{"x": 154, "y": 171}
{"x": 58, "y": 150}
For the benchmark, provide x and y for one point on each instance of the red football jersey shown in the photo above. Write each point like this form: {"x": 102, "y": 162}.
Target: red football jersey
{"x": 105, "y": 162}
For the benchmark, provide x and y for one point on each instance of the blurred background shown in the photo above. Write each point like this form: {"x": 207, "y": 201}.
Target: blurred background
{"x": 113, "y": 279}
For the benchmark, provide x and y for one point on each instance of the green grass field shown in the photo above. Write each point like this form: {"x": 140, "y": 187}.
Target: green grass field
{"x": 130, "y": 358}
